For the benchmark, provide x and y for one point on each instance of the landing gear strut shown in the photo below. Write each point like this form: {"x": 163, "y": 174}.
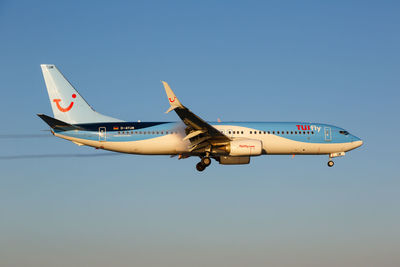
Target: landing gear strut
{"x": 203, "y": 164}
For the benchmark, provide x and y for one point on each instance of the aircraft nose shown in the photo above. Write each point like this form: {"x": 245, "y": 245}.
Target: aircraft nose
{"x": 357, "y": 141}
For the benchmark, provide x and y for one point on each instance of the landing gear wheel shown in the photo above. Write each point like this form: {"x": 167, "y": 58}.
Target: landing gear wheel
{"x": 206, "y": 161}
{"x": 200, "y": 167}
{"x": 331, "y": 163}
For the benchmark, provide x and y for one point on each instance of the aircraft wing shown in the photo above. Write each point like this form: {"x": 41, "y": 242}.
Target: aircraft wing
{"x": 198, "y": 132}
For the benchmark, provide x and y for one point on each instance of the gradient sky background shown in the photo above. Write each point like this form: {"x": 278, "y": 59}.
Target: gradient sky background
{"x": 315, "y": 61}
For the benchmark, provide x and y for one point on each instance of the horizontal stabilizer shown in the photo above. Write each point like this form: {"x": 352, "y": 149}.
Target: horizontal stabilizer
{"x": 57, "y": 124}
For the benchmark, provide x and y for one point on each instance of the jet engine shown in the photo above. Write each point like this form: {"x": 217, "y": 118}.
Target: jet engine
{"x": 244, "y": 147}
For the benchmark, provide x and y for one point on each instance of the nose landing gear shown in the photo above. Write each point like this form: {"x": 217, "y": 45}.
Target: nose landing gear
{"x": 334, "y": 155}
{"x": 203, "y": 164}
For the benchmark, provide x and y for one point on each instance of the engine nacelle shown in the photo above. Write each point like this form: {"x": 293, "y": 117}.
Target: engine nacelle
{"x": 245, "y": 147}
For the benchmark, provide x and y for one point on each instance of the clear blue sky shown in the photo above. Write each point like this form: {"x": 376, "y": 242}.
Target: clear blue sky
{"x": 336, "y": 62}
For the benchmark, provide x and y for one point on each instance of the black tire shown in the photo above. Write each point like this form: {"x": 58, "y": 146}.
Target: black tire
{"x": 331, "y": 163}
{"x": 206, "y": 161}
{"x": 200, "y": 167}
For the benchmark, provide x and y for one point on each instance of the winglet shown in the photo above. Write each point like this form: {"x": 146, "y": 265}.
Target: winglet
{"x": 173, "y": 100}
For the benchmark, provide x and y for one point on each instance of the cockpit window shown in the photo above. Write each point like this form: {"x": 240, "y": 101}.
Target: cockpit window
{"x": 344, "y": 132}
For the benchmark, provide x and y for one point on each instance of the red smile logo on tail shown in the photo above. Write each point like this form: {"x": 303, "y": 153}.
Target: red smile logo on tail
{"x": 57, "y": 101}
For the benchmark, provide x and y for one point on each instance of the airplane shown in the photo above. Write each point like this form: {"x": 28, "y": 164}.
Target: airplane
{"x": 229, "y": 143}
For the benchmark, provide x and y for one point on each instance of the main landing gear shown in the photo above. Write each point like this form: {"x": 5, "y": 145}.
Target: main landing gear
{"x": 203, "y": 164}
{"x": 331, "y": 163}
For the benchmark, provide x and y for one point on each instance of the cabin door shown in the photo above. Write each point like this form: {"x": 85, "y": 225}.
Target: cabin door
{"x": 327, "y": 133}
{"x": 102, "y": 133}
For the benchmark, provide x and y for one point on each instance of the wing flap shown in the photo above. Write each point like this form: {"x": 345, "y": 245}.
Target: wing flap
{"x": 193, "y": 134}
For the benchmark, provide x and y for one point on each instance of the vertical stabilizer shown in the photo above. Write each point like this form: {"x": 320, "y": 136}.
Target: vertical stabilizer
{"x": 67, "y": 104}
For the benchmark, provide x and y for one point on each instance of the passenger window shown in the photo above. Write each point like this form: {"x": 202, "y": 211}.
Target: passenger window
{"x": 269, "y": 132}
{"x": 278, "y": 132}
{"x": 312, "y": 132}
{"x": 242, "y": 132}
{"x": 251, "y": 132}
{"x": 291, "y": 132}
{"x": 273, "y": 132}
{"x": 259, "y": 132}
{"x": 287, "y": 132}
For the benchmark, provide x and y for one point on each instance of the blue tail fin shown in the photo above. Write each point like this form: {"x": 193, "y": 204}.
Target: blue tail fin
{"x": 67, "y": 104}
